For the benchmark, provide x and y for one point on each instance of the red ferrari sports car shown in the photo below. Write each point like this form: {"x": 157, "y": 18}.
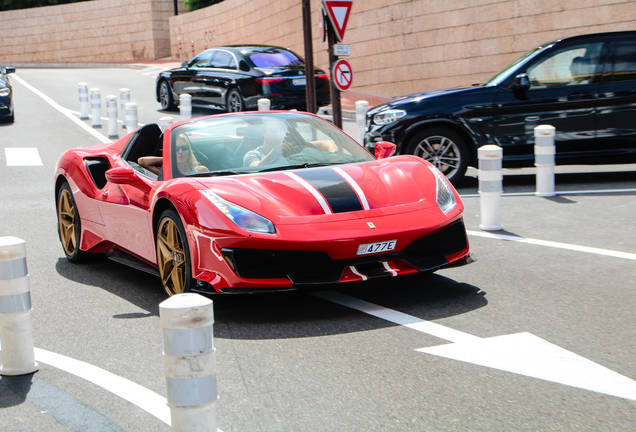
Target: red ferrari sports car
{"x": 257, "y": 201}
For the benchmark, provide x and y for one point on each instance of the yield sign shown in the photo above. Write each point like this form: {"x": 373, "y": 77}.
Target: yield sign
{"x": 338, "y": 12}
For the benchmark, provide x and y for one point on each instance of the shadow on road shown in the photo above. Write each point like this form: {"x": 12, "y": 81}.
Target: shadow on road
{"x": 300, "y": 314}
{"x": 294, "y": 314}
{"x": 139, "y": 288}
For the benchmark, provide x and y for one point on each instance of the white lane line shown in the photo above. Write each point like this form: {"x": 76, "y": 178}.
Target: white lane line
{"x": 552, "y": 244}
{"x": 145, "y": 399}
{"x": 397, "y": 317}
{"x": 22, "y": 156}
{"x": 66, "y": 112}
{"x": 583, "y": 192}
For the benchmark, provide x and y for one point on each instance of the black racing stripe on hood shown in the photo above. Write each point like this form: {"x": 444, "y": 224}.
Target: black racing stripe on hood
{"x": 338, "y": 193}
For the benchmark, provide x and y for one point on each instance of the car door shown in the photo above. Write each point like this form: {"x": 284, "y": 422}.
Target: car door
{"x": 187, "y": 79}
{"x": 617, "y": 109}
{"x": 563, "y": 92}
{"x": 124, "y": 207}
{"x": 221, "y": 74}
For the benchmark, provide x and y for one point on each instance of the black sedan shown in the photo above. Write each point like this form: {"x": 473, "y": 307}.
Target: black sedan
{"x": 234, "y": 77}
{"x": 6, "y": 95}
{"x": 584, "y": 86}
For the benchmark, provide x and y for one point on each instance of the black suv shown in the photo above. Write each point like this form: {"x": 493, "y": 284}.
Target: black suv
{"x": 584, "y": 86}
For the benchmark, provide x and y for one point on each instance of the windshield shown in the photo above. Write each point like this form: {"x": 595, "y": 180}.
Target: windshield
{"x": 275, "y": 57}
{"x": 505, "y": 73}
{"x": 250, "y": 143}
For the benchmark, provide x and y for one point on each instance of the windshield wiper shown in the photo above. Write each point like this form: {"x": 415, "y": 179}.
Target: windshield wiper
{"x": 216, "y": 173}
{"x": 297, "y": 166}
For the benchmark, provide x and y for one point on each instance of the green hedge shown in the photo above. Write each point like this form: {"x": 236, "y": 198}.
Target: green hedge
{"x": 193, "y": 5}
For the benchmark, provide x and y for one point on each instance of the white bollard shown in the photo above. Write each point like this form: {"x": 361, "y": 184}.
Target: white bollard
{"x": 111, "y": 113}
{"x": 362, "y": 107}
{"x": 264, "y": 104}
{"x": 16, "y": 333}
{"x": 185, "y": 106}
{"x": 83, "y": 100}
{"x": 124, "y": 98}
{"x": 96, "y": 106}
{"x": 490, "y": 186}
{"x": 189, "y": 361}
{"x": 544, "y": 151}
{"x": 165, "y": 122}
{"x": 131, "y": 116}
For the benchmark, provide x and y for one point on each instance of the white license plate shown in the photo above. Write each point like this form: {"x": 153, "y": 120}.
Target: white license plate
{"x": 370, "y": 248}
{"x": 300, "y": 81}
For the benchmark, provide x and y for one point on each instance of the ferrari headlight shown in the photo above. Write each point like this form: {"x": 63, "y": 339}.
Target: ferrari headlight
{"x": 389, "y": 116}
{"x": 444, "y": 194}
{"x": 243, "y": 218}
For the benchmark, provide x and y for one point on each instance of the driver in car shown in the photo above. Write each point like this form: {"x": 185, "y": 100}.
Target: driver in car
{"x": 275, "y": 146}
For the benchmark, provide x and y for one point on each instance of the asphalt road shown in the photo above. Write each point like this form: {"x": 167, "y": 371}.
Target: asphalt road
{"x": 537, "y": 335}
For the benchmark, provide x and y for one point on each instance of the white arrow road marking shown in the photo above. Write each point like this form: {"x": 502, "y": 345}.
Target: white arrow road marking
{"x": 522, "y": 353}
{"x": 526, "y": 354}
{"x": 22, "y": 156}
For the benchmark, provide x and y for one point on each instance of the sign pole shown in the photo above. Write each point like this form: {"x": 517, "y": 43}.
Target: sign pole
{"x": 310, "y": 87}
{"x": 336, "y": 107}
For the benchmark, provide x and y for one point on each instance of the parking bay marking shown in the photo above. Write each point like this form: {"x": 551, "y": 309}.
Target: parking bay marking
{"x": 22, "y": 156}
{"x": 520, "y": 353}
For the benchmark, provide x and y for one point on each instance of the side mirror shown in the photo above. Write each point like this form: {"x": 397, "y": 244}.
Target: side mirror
{"x": 9, "y": 70}
{"x": 522, "y": 82}
{"x": 384, "y": 149}
{"x": 126, "y": 175}
{"x": 184, "y": 65}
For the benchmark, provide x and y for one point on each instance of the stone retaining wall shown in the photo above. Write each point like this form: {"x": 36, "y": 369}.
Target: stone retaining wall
{"x": 398, "y": 46}
{"x": 90, "y": 31}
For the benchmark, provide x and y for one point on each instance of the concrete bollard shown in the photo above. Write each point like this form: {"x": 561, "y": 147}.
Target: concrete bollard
{"x": 490, "y": 186}
{"x": 165, "y": 122}
{"x": 544, "y": 151}
{"x": 189, "y": 361}
{"x": 264, "y": 104}
{"x": 83, "y": 100}
{"x": 16, "y": 333}
{"x": 124, "y": 98}
{"x": 185, "y": 106}
{"x": 96, "y": 106}
{"x": 131, "y": 116}
{"x": 362, "y": 107}
{"x": 111, "y": 113}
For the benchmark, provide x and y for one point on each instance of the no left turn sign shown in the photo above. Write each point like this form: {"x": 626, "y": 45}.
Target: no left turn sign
{"x": 342, "y": 74}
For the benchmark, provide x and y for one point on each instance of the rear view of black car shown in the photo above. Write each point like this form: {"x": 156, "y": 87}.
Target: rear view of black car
{"x": 584, "y": 86}
{"x": 6, "y": 95}
{"x": 234, "y": 77}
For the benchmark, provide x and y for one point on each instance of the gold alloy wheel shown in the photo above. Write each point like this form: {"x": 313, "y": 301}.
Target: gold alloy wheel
{"x": 67, "y": 220}
{"x": 171, "y": 257}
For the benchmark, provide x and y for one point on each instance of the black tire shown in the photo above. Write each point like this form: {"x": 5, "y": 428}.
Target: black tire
{"x": 165, "y": 97}
{"x": 444, "y": 148}
{"x": 173, "y": 254}
{"x": 234, "y": 101}
{"x": 69, "y": 224}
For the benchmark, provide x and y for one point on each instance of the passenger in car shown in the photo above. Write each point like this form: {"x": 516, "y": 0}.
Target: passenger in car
{"x": 186, "y": 163}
